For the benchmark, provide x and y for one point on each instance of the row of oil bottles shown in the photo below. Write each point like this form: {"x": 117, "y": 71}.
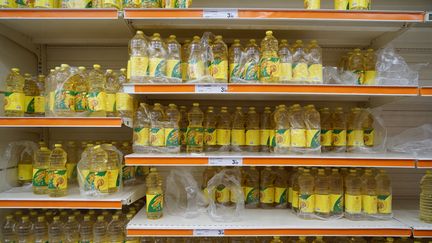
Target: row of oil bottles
{"x": 68, "y": 91}
{"x": 209, "y": 60}
{"x": 341, "y": 4}
{"x": 119, "y": 4}
{"x": 52, "y": 172}
{"x": 322, "y": 193}
{"x": 362, "y": 64}
{"x": 285, "y": 129}
{"x": 98, "y": 226}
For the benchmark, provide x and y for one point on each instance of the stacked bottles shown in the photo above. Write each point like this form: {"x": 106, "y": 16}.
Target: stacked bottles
{"x": 98, "y": 4}
{"x": 425, "y": 197}
{"x": 362, "y": 64}
{"x": 14, "y": 100}
{"x": 57, "y": 172}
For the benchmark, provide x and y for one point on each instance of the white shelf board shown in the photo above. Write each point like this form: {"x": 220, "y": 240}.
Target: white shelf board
{"x": 23, "y": 197}
{"x": 411, "y": 217}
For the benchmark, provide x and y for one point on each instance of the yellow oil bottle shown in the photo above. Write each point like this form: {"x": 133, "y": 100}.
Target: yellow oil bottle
{"x": 25, "y": 167}
{"x": 30, "y": 91}
{"x": 223, "y": 130}
{"x": 112, "y": 87}
{"x": 57, "y": 185}
{"x": 252, "y": 62}
{"x": 252, "y": 141}
{"x": 326, "y": 129}
{"x": 235, "y": 54}
{"x": 384, "y": 192}
{"x": 265, "y": 129}
{"x": 353, "y": 195}
{"x": 270, "y": 61}
{"x": 172, "y": 133}
{"x": 14, "y": 96}
{"x": 341, "y": 4}
{"x": 312, "y": 4}
{"x": 238, "y": 138}
{"x": 81, "y": 90}
{"x": 369, "y": 194}
{"x": 267, "y": 188}
{"x": 286, "y": 61}
{"x": 154, "y": 195}
{"x": 370, "y": 69}
{"x": 219, "y": 64}
{"x": 157, "y": 131}
{"x": 276, "y": 239}
{"x": 355, "y": 132}
{"x": 300, "y": 65}
{"x": 210, "y": 133}
{"x": 306, "y": 182}
{"x": 298, "y": 128}
{"x": 368, "y": 128}
{"x": 99, "y": 170}
{"x": 124, "y": 103}
{"x": 281, "y": 188}
{"x": 336, "y": 188}
{"x": 157, "y": 56}
{"x": 40, "y": 171}
{"x": 282, "y": 130}
{"x": 141, "y": 131}
{"x": 139, "y": 58}
{"x": 184, "y": 59}
{"x": 113, "y": 168}
{"x": 339, "y": 135}
{"x": 251, "y": 186}
{"x": 322, "y": 194}
{"x": 195, "y": 131}
{"x": 196, "y": 63}
{"x": 359, "y": 4}
{"x": 313, "y": 127}
{"x": 72, "y": 161}
{"x": 97, "y": 95}
{"x": 356, "y": 64}
{"x": 173, "y": 64}
{"x": 315, "y": 68}
{"x": 184, "y": 123}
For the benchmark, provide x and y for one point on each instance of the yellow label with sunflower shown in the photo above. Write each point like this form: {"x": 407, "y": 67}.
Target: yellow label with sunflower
{"x": 341, "y": 4}
{"x": 14, "y": 101}
{"x": 25, "y": 172}
{"x": 315, "y": 73}
{"x": 113, "y": 178}
{"x": 313, "y": 138}
{"x": 101, "y": 181}
{"x": 267, "y": 195}
{"x": 322, "y": 203}
{"x": 355, "y": 138}
{"x": 210, "y": 137}
{"x": 358, "y": 4}
{"x": 307, "y": 203}
{"x": 138, "y": 66}
{"x": 369, "y": 78}
{"x": 280, "y": 195}
{"x": 223, "y": 136}
{"x": 286, "y": 71}
{"x": 157, "y": 136}
{"x": 370, "y": 204}
{"x": 295, "y": 199}
{"x": 233, "y": 70}
{"x": 222, "y": 194}
{"x": 269, "y": 69}
{"x": 251, "y": 195}
{"x": 96, "y": 101}
{"x": 219, "y": 69}
{"x": 195, "y": 70}
{"x": 172, "y": 137}
{"x": 252, "y": 137}
{"x": 57, "y": 180}
{"x": 157, "y": 67}
{"x": 110, "y": 102}
{"x": 40, "y": 177}
{"x": 154, "y": 203}
{"x": 369, "y": 136}
{"x": 141, "y": 136}
{"x": 384, "y": 204}
{"x": 353, "y": 203}
{"x": 173, "y": 68}
{"x": 238, "y": 137}
{"x": 339, "y": 138}
{"x": 298, "y": 138}
{"x": 283, "y": 138}
{"x": 264, "y": 135}
{"x": 326, "y": 137}
{"x": 300, "y": 71}
{"x": 124, "y": 102}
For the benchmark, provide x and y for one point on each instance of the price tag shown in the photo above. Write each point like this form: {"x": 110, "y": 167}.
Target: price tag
{"x": 208, "y": 232}
{"x": 220, "y": 13}
{"x": 211, "y": 88}
{"x": 225, "y": 161}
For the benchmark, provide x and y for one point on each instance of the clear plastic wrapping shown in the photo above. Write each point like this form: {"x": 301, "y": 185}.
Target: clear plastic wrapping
{"x": 417, "y": 140}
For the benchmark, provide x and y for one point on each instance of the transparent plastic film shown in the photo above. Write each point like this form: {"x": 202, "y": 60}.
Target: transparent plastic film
{"x": 183, "y": 196}
{"x": 334, "y": 75}
{"x": 417, "y": 140}
{"x": 227, "y": 205}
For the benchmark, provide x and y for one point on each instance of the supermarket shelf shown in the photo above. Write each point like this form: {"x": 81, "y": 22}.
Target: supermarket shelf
{"x": 58, "y": 13}
{"x": 261, "y": 222}
{"x": 263, "y": 159}
{"x": 426, "y": 91}
{"x": 411, "y": 217}
{"x": 23, "y": 197}
{"x": 60, "y": 122}
{"x": 424, "y": 161}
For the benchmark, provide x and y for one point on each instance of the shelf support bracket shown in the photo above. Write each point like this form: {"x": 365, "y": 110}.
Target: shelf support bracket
{"x": 19, "y": 39}
{"x": 388, "y": 37}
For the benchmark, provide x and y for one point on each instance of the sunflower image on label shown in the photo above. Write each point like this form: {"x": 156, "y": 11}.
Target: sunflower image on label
{"x": 141, "y": 136}
{"x": 313, "y": 138}
{"x": 100, "y": 182}
{"x": 223, "y": 136}
{"x": 80, "y": 101}
{"x": 339, "y": 138}
{"x": 113, "y": 178}
{"x": 210, "y": 137}
{"x": 251, "y": 195}
{"x": 315, "y": 73}
{"x": 57, "y": 180}
{"x": 157, "y": 136}
{"x": 385, "y": 204}
{"x": 368, "y": 137}
{"x": 154, "y": 203}
{"x": 370, "y": 204}
{"x": 369, "y": 78}
{"x": 298, "y": 138}
{"x": 29, "y": 104}
{"x": 341, "y": 5}
{"x": 157, "y": 67}
{"x": 326, "y": 137}
{"x": 322, "y": 203}
{"x": 283, "y": 138}
{"x": 250, "y": 71}
{"x": 195, "y": 69}
{"x": 173, "y": 68}
{"x": 300, "y": 71}
{"x": 25, "y": 172}
{"x": 172, "y": 137}
{"x": 306, "y": 203}
{"x": 336, "y": 203}
{"x": 222, "y": 194}
{"x": 269, "y": 68}
{"x": 138, "y": 66}
{"x": 194, "y": 136}
{"x": 295, "y": 199}
{"x": 96, "y": 101}
{"x": 280, "y": 195}
{"x": 353, "y": 203}
{"x": 128, "y": 172}
{"x": 64, "y": 100}
{"x": 252, "y": 137}
{"x": 264, "y": 135}
{"x": 272, "y": 138}
{"x": 267, "y": 195}
{"x": 40, "y": 177}
{"x": 360, "y": 76}
{"x": 124, "y": 102}
{"x": 355, "y": 138}
{"x": 238, "y": 137}
{"x": 110, "y": 102}
{"x": 219, "y": 69}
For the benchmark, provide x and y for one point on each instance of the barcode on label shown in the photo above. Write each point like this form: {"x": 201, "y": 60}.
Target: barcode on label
{"x": 225, "y": 161}
{"x": 211, "y": 88}
{"x": 208, "y": 232}
{"x": 220, "y": 13}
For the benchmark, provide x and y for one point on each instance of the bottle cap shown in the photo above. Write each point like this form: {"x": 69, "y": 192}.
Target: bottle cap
{"x": 41, "y": 218}
{"x": 139, "y": 32}
{"x": 236, "y": 41}
{"x": 195, "y": 104}
{"x": 156, "y": 35}
{"x": 57, "y": 145}
{"x": 269, "y": 32}
{"x": 100, "y": 218}
{"x": 16, "y": 70}
{"x": 96, "y": 66}
{"x": 172, "y": 36}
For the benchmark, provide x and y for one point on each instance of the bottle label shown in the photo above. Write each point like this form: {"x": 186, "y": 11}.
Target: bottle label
{"x": 322, "y": 203}
{"x": 315, "y": 73}
{"x": 14, "y": 101}
{"x": 290, "y": 195}
{"x": 358, "y": 4}
{"x": 353, "y": 203}
{"x": 111, "y": 3}
{"x": 29, "y": 104}
{"x": 238, "y": 137}
{"x": 360, "y": 76}
{"x": 71, "y": 169}
{"x": 210, "y": 136}
{"x": 336, "y": 203}
{"x": 339, "y": 138}
{"x": 57, "y": 180}
{"x": 96, "y": 101}
{"x": 219, "y": 69}
{"x": 184, "y": 68}
{"x": 251, "y": 70}
{"x": 264, "y": 135}
{"x": 313, "y": 138}
{"x": 251, "y": 195}
{"x": 222, "y": 194}
{"x": 39, "y": 104}
{"x": 113, "y": 178}
{"x": 233, "y": 70}
{"x": 173, "y": 68}
{"x": 298, "y": 138}
{"x": 300, "y": 71}
{"x": 283, "y": 137}
{"x": 25, "y": 172}
{"x": 312, "y": 4}
{"x": 40, "y": 177}
{"x": 267, "y": 195}
{"x": 295, "y": 199}
{"x": 369, "y": 135}
{"x": 233, "y": 197}
{"x": 326, "y": 137}
{"x": 154, "y": 203}
{"x": 307, "y": 203}
{"x": 269, "y": 68}
{"x": 195, "y": 69}
{"x": 341, "y": 5}
{"x": 128, "y": 173}
{"x": 138, "y": 66}
{"x": 370, "y": 204}
{"x": 384, "y": 204}
{"x": 172, "y": 137}
{"x": 110, "y": 102}
{"x": 369, "y": 78}
{"x": 80, "y": 101}
{"x": 141, "y": 136}
{"x": 131, "y": 241}
{"x": 252, "y": 137}
{"x": 44, "y": 4}
{"x": 195, "y": 136}
{"x": 152, "y": 3}
{"x": 286, "y": 71}
{"x": 64, "y": 100}
{"x": 272, "y": 138}
{"x": 100, "y": 182}
{"x": 157, "y": 136}
{"x": 124, "y": 102}
{"x": 280, "y": 195}
{"x": 355, "y": 138}
{"x": 223, "y": 136}
{"x": 88, "y": 178}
